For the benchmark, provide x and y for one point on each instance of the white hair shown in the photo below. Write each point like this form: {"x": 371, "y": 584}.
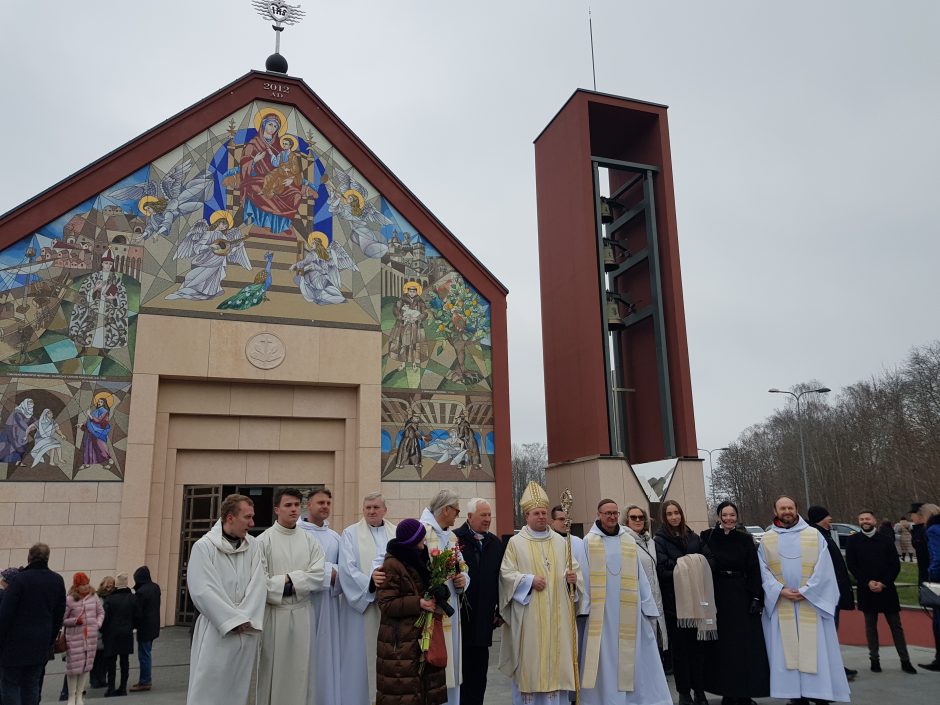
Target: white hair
{"x": 443, "y": 499}
{"x": 474, "y": 503}
{"x": 373, "y": 495}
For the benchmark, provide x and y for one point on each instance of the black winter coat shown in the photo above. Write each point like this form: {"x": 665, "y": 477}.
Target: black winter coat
{"x": 738, "y": 596}
{"x": 874, "y": 558}
{"x": 846, "y": 596}
{"x": 147, "y": 594}
{"x": 118, "y": 628}
{"x": 478, "y": 612}
{"x": 669, "y": 549}
{"x": 31, "y": 615}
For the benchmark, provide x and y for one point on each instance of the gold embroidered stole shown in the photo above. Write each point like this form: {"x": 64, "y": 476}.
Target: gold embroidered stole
{"x": 629, "y": 598}
{"x": 799, "y": 642}
{"x": 453, "y": 679}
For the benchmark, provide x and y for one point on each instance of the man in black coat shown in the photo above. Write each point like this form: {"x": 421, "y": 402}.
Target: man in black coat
{"x": 919, "y": 541}
{"x": 873, "y": 560}
{"x": 147, "y": 621}
{"x": 819, "y": 518}
{"x": 483, "y": 553}
{"x": 30, "y": 618}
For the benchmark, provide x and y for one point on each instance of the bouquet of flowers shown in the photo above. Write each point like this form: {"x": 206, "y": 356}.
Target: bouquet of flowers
{"x": 444, "y": 565}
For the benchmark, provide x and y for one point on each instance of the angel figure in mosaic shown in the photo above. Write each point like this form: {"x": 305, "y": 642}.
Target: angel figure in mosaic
{"x": 318, "y": 272}
{"x": 211, "y": 246}
{"x": 99, "y": 317}
{"x": 348, "y": 200}
{"x": 173, "y": 197}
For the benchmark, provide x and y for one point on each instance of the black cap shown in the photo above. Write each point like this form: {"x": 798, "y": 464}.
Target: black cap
{"x": 816, "y": 514}
{"x": 276, "y": 63}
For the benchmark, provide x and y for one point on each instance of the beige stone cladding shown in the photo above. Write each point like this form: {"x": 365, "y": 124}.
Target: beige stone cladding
{"x": 79, "y": 520}
{"x": 408, "y": 499}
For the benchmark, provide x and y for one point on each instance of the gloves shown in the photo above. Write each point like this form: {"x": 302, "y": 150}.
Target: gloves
{"x": 756, "y": 606}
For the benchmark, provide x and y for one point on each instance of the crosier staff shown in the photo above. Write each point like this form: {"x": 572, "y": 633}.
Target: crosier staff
{"x": 567, "y": 501}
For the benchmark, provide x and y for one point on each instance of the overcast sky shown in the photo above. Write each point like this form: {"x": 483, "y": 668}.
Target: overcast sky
{"x": 804, "y": 144}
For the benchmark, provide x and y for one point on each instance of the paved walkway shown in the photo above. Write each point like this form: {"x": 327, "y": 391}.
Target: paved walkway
{"x": 171, "y": 671}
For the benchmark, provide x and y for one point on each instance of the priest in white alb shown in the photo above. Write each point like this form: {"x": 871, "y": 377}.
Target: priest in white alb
{"x": 621, "y": 663}
{"x": 800, "y": 599}
{"x": 294, "y": 563}
{"x": 325, "y": 684}
{"x": 538, "y": 649}
{"x": 363, "y": 545}
{"x": 226, "y": 581}
{"x": 437, "y": 518}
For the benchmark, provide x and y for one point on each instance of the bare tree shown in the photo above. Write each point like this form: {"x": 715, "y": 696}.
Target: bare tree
{"x": 528, "y": 465}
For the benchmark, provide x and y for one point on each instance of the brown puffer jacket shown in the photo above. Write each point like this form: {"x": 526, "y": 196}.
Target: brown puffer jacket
{"x": 398, "y": 654}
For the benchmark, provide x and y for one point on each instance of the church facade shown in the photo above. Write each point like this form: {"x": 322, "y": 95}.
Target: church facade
{"x": 244, "y": 297}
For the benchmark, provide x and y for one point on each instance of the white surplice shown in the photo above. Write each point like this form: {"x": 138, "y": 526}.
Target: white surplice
{"x": 285, "y": 643}
{"x": 228, "y": 587}
{"x": 444, "y": 539}
{"x": 362, "y": 545}
{"x": 649, "y": 686}
{"x": 325, "y": 682}
{"x": 822, "y": 596}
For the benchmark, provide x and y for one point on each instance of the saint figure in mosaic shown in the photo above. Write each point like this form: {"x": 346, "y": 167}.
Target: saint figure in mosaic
{"x": 318, "y": 272}
{"x": 99, "y": 318}
{"x": 47, "y": 440}
{"x": 409, "y": 447}
{"x": 408, "y": 340}
{"x": 97, "y": 428}
{"x": 15, "y": 435}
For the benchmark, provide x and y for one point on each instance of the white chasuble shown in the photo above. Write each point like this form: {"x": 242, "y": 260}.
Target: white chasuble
{"x": 361, "y": 546}
{"x": 801, "y": 637}
{"x": 324, "y": 683}
{"x": 228, "y": 587}
{"x": 621, "y": 660}
{"x": 285, "y": 642}
{"x": 539, "y": 643}
{"x": 442, "y": 539}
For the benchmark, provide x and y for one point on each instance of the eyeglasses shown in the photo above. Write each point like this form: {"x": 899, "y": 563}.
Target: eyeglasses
{"x": 610, "y": 514}
{"x": 636, "y": 517}
{"x": 456, "y": 509}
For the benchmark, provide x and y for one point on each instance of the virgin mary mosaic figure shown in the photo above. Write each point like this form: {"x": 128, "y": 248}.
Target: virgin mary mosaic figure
{"x": 271, "y": 202}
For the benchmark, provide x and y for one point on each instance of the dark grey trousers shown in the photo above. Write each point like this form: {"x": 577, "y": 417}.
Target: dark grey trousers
{"x": 897, "y": 633}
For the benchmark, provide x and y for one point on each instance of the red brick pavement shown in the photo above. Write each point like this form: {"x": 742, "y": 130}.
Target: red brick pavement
{"x": 916, "y": 623}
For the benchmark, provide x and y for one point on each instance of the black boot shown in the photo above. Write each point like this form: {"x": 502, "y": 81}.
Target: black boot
{"x": 907, "y": 667}
{"x": 850, "y": 674}
{"x": 685, "y": 698}
{"x": 699, "y": 698}
{"x": 875, "y": 665}
{"x": 932, "y": 666}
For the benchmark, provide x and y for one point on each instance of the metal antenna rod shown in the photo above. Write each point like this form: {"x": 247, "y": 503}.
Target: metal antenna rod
{"x": 591, "y": 31}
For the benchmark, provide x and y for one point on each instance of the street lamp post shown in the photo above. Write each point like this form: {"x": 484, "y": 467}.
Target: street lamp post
{"x": 711, "y": 470}
{"x": 799, "y": 425}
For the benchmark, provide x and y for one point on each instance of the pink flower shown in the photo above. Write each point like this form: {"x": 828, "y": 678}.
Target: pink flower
{"x": 435, "y": 551}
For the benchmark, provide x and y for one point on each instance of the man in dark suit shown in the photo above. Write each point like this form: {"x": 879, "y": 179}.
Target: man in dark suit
{"x": 30, "y": 618}
{"x": 483, "y": 553}
{"x": 873, "y": 560}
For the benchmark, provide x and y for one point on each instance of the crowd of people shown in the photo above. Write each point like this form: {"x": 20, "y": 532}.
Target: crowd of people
{"x": 405, "y": 614}
{"x": 92, "y": 629}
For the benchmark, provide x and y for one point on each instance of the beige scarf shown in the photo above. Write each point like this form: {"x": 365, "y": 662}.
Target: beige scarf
{"x": 695, "y": 596}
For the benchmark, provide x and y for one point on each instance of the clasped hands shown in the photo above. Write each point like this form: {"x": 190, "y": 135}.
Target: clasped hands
{"x": 792, "y": 594}
{"x": 539, "y": 583}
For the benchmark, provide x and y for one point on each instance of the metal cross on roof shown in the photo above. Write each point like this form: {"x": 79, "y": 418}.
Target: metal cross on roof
{"x": 281, "y": 14}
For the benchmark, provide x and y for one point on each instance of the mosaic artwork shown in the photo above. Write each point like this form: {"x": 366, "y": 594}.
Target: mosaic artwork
{"x": 258, "y": 218}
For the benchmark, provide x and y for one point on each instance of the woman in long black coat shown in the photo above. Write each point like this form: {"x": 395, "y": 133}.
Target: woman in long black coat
{"x": 737, "y": 668}
{"x": 674, "y": 540}
{"x": 118, "y": 630}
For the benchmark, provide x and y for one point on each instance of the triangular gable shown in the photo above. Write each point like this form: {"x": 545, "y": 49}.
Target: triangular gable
{"x": 255, "y": 204}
